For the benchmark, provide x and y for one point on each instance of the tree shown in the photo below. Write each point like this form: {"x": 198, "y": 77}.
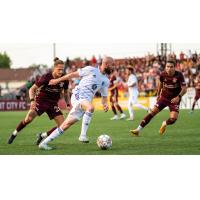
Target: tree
{"x": 5, "y": 61}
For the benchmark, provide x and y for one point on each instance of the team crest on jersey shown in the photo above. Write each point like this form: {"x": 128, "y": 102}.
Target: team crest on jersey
{"x": 61, "y": 84}
{"x": 174, "y": 80}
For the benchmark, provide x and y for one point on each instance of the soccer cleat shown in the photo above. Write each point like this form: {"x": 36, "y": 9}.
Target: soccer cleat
{"x": 135, "y": 132}
{"x": 11, "y": 138}
{"x": 83, "y": 139}
{"x": 45, "y": 147}
{"x": 130, "y": 119}
{"x": 163, "y": 128}
{"x": 114, "y": 118}
{"x": 123, "y": 116}
{"x": 39, "y": 138}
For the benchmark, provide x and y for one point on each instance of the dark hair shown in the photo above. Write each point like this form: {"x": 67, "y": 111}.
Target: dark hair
{"x": 57, "y": 61}
{"x": 131, "y": 69}
{"x": 171, "y": 62}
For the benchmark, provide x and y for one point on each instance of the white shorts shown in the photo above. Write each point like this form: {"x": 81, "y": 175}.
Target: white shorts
{"x": 76, "y": 112}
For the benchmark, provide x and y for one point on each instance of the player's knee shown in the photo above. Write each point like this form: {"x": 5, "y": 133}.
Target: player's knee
{"x": 28, "y": 120}
{"x": 90, "y": 108}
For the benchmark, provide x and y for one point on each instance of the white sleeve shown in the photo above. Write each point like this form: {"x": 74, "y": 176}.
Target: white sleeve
{"x": 104, "y": 89}
{"x": 84, "y": 71}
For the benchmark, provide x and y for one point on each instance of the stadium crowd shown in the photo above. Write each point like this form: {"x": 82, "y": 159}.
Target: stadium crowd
{"x": 147, "y": 70}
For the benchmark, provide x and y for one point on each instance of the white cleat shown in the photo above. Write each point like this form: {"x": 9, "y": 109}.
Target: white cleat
{"x": 130, "y": 119}
{"x": 114, "y": 118}
{"x": 45, "y": 147}
{"x": 83, "y": 139}
{"x": 123, "y": 116}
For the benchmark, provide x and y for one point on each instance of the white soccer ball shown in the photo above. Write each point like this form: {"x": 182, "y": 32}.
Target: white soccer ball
{"x": 104, "y": 142}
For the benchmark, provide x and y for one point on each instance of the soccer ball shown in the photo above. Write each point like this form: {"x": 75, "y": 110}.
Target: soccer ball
{"x": 104, "y": 142}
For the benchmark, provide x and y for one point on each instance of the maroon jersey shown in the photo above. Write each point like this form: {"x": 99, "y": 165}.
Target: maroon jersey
{"x": 171, "y": 84}
{"x": 49, "y": 93}
{"x": 113, "y": 81}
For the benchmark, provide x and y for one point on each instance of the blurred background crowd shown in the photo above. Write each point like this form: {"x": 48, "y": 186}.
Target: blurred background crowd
{"x": 147, "y": 70}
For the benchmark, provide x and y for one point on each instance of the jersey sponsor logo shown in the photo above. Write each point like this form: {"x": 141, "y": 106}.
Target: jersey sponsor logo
{"x": 174, "y": 80}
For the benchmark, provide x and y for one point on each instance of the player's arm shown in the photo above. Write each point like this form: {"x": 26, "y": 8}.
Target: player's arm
{"x": 114, "y": 86}
{"x": 32, "y": 92}
{"x": 104, "y": 101}
{"x": 133, "y": 84}
{"x": 67, "y": 98}
{"x": 64, "y": 78}
{"x": 160, "y": 86}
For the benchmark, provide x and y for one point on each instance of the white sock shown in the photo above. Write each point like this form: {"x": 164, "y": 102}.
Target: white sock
{"x": 56, "y": 133}
{"x": 15, "y": 132}
{"x": 131, "y": 111}
{"x": 139, "y": 128}
{"x": 140, "y": 106}
{"x": 85, "y": 123}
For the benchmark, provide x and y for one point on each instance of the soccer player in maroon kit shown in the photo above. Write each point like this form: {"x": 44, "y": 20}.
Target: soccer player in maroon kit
{"x": 114, "y": 97}
{"x": 197, "y": 96}
{"x": 44, "y": 98}
{"x": 171, "y": 88}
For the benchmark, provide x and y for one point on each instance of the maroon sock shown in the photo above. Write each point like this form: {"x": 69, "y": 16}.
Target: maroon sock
{"x": 119, "y": 109}
{"x": 170, "y": 121}
{"x": 50, "y": 131}
{"x": 114, "y": 110}
{"x": 146, "y": 120}
{"x": 193, "y": 105}
{"x": 21, "y": 125}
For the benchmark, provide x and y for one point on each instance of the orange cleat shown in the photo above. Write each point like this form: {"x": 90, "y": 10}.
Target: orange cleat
{"x": 134, "y": 132}
{"x": 163, "y": 128}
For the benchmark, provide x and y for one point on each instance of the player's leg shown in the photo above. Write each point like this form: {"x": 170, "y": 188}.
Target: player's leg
{"x": 130, "y": 109}
{"x": 174, "y": 112}
{"x": 138, "y": 105}
{"x": 112, "y": 102}
{"x": 194, "y": 103}
{"x": 123, "y": 116}
{"x": 57, "y": 132}
{"x": 146, "y": 120}
{"x": 28, "y": 119}
{"x": 59, "y": 120}
{"x": 87, "y": 116}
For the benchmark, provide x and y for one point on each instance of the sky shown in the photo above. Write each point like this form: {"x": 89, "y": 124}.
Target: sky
{"x": 25, "y": 54}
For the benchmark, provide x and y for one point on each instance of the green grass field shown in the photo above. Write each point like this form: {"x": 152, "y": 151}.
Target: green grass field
{"x": 183, "y": 138}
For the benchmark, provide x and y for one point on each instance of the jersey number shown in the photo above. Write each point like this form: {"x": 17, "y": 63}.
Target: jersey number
{"x": 94, "y": 86}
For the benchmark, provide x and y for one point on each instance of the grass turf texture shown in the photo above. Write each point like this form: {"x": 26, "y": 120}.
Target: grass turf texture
{"x": 182, "y": 138}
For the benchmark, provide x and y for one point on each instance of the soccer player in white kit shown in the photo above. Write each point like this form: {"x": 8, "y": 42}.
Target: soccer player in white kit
{"x": 93, "y": 79}
{"x": 133, "y": 93}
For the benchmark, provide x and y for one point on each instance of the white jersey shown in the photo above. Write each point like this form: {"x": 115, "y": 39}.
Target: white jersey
{"x": 133, "y": 91}
{"x": 92, "y": 80}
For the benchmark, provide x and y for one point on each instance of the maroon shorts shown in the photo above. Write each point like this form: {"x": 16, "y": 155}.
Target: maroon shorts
{"x": 162, "y": 103}
{"x": 52, "y": 110}
{"x": 114, "y": 96}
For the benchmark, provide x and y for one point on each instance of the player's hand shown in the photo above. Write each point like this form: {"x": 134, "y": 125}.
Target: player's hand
{"x": 33, "y": 105}
{"x": 53, "y": 82}
{"x": 68, "y": 107}
{"x": 175, "y": 100}
{"x": 105, "y": 107}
